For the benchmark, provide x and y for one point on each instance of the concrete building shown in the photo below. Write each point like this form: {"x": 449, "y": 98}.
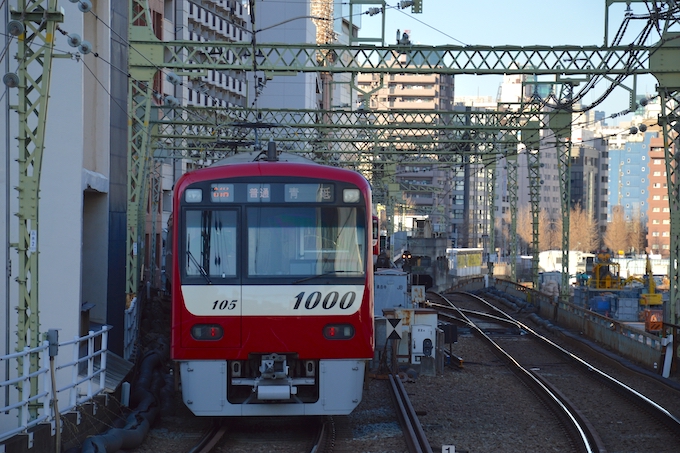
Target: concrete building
{"x": 429, "y": 188}
{"x": 590, "y": 174}
{"x": 658, "y": 211}
{"x": 629, "y": 176}
{"x": 513, "y": 94}
{"x": 208, "y": 20}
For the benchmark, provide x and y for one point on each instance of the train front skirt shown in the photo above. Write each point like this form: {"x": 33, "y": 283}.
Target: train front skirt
{"x": 209, "y": 388}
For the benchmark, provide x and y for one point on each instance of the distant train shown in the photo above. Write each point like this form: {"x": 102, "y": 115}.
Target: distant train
{"x": 272, "y": 287}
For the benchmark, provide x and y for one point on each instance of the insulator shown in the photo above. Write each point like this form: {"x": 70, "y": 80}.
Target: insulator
{"x": 11, "y": 80}
{"x": 84, "y": 6}
{"x": 85, "y": 47}
{"x": 15, "y": 28}
{"x": 172, "y": 78}
{"x": 171, "y": 101}
{"x": 74, "y": 40}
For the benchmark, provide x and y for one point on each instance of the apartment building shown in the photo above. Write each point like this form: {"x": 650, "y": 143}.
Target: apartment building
{"x": 629, "y": 176}
{"x": 429, "y": 188}
{"x": 658, "y": 211}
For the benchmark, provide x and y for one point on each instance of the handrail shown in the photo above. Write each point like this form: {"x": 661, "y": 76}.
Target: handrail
{"x": 15, "y": 415}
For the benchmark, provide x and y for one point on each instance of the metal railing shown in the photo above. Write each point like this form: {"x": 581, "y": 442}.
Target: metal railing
{"x": 83, "y": 378}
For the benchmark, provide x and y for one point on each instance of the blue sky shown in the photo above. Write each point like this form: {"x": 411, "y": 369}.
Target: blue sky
{"x": 519, "y": 22}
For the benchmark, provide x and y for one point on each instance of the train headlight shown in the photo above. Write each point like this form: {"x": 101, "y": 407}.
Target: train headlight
{"x": 207, "y": 332}
{"x": 338, "y": 331}
{"x": 351, "y": 195}
{"x": 193, "y": 195}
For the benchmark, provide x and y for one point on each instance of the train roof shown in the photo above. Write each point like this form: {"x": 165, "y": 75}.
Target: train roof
{"x": 254, "y": 156}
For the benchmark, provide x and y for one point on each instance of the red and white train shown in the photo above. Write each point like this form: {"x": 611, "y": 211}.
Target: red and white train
{"x": 272, "y": 294}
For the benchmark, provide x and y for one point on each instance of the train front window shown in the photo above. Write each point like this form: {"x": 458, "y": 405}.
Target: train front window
{"x": 210, "y": 243}
{"x": 305, "y": 241}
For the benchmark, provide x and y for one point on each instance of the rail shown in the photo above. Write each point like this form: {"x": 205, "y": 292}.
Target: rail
{"x": 413, "y": 431}
{"x": 78, "y": 377}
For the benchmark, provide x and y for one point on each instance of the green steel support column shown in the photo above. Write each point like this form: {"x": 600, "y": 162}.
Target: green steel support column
{"x": 140, "y": 95}
{"x": 670, "y": 120}
{"x": 665, "y": 66}
{"x": 560, "y": 124}
{"x": 156, "y": 182}
{"x": 35, "y": 53}
{"x": 139, "y": 100}
{"x": 512, "y": 199}
{"x": 491, "y": 205}
{"x": 531, "y": 138}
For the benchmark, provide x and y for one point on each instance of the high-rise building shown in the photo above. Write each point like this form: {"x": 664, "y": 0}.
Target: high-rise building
{"x": 428, "y": 188}
{"x": 629, "y": 176}
{"x": 658, "y": 211}
{"x": 590, "y": 173}
{"x": 210, "y": 20}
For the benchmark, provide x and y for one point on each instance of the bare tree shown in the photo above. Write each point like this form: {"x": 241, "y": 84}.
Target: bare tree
{"x": 549, "y": 231}
{"x": 524, "y": 228}
{"x": 616, "y": 236}
{"x": 637, "y": 232}
{"x": 582, "y": 230}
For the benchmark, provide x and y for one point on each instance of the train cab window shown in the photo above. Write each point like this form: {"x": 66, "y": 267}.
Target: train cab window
{"x": 210, "y": 243}
{"x": 304, "y": 241}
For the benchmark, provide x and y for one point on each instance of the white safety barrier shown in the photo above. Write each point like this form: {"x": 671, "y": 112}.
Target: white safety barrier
{"x": 27, "y": 397}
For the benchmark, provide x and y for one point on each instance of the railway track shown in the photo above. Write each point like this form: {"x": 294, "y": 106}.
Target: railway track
{"x": 293, "y": 434}
{"x": 307, "y": 434}
{"x": 373, "y": 427}
{"x": 600, "y": 412}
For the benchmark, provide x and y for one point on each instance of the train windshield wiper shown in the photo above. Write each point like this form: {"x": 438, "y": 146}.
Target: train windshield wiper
{"x": 311, "y": 277}
{"x": 200, "y": 268}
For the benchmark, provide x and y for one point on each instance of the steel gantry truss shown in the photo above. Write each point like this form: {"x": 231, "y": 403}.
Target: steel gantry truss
{"x": 344, "y": 138}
